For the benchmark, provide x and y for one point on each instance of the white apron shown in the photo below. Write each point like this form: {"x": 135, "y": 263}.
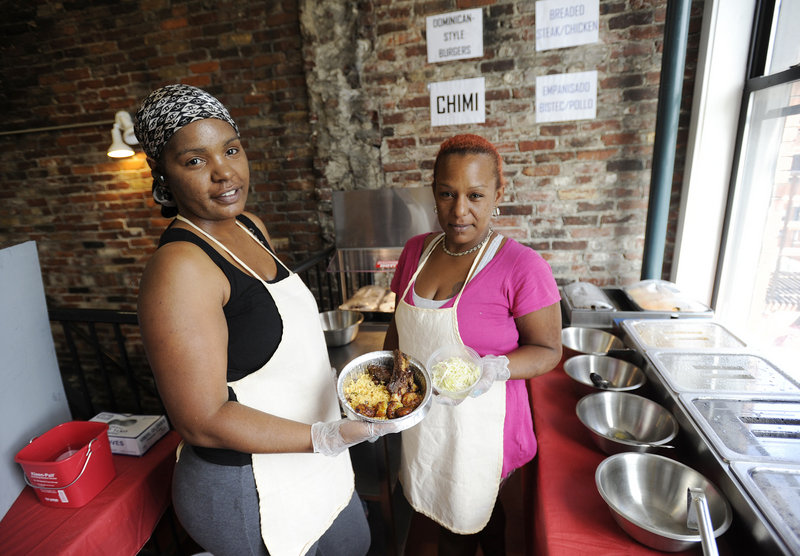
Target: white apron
{"x": 299, "y": 494}
{"x": 452, "y": 460}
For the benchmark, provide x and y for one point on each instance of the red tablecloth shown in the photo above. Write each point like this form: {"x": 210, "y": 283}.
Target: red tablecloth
{"x": 570, "y": 516}
{"x": 119, "y": 520}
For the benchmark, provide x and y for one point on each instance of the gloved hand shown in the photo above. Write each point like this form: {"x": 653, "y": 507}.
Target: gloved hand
{"x": 493, "y": 367}
{"x": 334, "y": 437}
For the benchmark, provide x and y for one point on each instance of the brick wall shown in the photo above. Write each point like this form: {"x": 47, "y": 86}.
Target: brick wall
{"x": 329, "y": 95}
{"x": 73, "y": 62}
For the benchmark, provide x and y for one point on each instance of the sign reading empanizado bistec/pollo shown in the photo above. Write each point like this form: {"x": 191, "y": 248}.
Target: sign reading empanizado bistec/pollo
{"x": 562, "y": 23}
{"x": 455, "y": 35}
{"x": 566, "y": 96}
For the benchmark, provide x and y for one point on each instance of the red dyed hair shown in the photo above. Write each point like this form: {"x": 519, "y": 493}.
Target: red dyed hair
{"x": 467, "y": 143}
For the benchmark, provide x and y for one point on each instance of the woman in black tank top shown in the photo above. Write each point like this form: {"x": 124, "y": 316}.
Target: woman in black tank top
{"x": 208, "y": 319}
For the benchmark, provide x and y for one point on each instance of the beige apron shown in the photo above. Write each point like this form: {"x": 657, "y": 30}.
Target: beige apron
{"x": 299, "y": 494}
{"x": 452, "y": 461}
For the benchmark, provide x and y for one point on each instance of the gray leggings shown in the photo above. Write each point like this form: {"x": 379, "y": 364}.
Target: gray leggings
{"x": 218, "y": 506}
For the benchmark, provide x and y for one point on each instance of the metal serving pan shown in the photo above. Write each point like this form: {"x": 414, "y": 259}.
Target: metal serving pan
{"x": 762, "y": 428}
{"x": 721, "y": 372}
{"x": 776, "y": 491}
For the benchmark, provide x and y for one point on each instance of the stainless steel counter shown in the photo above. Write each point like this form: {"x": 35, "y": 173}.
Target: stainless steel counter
{"x": 370, "y": 338}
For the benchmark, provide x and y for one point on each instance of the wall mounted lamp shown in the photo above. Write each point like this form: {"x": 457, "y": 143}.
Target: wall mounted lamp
{"x": 122, "y": 136}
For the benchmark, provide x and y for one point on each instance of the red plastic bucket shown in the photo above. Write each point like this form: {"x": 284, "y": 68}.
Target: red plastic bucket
{"x": 69, "y": 464}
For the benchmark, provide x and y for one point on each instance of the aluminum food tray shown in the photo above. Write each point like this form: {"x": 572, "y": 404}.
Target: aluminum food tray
{"x": 686, "y": 334}
{"x": 764, "y": 429}
{"x": 775, "y": 488}
{"x": 722, "y": 372}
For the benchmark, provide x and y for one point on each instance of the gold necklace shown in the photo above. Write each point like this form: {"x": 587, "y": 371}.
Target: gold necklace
{"x": 468, "y": 251}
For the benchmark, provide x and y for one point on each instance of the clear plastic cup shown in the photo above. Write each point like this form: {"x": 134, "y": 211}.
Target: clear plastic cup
{"x": 455, "y": 370}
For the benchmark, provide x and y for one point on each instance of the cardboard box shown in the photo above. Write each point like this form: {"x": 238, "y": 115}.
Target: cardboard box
{"x": 133, "y": 435}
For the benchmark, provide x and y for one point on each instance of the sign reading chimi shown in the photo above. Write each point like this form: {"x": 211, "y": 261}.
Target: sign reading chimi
{"x": 455, "y": 35}
{"x": 458, "y": 102}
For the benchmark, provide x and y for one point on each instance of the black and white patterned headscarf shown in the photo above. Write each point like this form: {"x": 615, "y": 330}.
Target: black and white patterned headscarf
{"x": 168, "y": 109}
{"x": 162, "y": 114}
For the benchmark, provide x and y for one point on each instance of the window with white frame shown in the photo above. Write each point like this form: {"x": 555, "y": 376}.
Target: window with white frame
{"x": 757, "y": 281}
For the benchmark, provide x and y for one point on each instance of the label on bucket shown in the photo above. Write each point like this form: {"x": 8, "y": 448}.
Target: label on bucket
{"x": 43, "y": 480}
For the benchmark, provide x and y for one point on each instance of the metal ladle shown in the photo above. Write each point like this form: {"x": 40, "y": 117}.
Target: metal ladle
{"x": 698, "y": 517}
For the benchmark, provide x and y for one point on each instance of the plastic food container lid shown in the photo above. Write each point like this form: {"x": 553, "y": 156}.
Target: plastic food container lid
{"x": 660, "y": 295}
{"x": 722, "y": 372}
{"x": 746, "y": 428}
{"x": 583, "y": 295}
{"x": 680, "y": 334}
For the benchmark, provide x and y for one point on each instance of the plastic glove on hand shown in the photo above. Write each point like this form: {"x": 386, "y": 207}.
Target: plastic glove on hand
{"x": 493, "y": 367}
{"x": 334, "y": 437}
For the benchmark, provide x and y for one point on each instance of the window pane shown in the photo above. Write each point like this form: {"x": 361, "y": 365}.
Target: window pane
{"x": 759, "y": 296}
{"x": 785, "y": 51}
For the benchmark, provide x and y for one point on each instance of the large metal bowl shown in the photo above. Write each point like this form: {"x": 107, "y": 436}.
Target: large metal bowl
{"x": 620, "y": 375}
{"x": 353, "y": 370}
{"x": 623, "y": 422}
{"x": 646, "y": 494}
{"x": 580, "y": 340}
{"x": 340, "y": 327}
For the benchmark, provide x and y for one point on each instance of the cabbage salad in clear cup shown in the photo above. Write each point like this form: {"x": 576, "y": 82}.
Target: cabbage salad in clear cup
{"x": 455, "y": 370}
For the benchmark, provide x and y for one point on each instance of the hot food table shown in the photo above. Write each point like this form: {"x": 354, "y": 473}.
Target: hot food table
{"x": 119, "y": 520}
{"x": 569, "y": 515}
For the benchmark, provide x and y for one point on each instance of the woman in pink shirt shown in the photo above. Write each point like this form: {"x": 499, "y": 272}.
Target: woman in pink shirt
{"x": 473, "y": 286}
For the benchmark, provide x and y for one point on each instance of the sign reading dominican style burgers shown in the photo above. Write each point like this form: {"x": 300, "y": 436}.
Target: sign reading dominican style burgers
{"x": 458, "y": 102}
{"x": 562, "y": 23}
{"x": 455, "y": 35}
{"x": 566, "y": 96}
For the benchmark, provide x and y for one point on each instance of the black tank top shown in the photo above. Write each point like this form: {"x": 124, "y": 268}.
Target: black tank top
{"x": 255, "y": 327}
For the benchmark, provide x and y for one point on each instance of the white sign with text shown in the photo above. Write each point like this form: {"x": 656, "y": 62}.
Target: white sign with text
{"x": 455, "y": 35}
{"x": 458, "y": 102}
{"x": 562, "y": 23}
{"x": 566, "y": 96}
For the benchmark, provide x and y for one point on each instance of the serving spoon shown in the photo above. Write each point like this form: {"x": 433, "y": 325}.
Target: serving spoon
{"x": 599, "y": 381}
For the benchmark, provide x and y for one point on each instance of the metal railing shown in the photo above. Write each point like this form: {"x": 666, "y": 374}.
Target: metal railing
{"x": 100, "y": 369}
{"x": 102, "y": 360}
{"x": 323, "y": 284}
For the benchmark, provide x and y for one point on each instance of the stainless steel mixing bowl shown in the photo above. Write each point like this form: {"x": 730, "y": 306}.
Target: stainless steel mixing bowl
{"x": 340, "y": 327}
{"x": 353, "y": 370}
{"x": 620, "y": 375}
{"x": 578, "y": 340}
{"x": 623, "y": 422}
{"x": 646, "y": 494}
